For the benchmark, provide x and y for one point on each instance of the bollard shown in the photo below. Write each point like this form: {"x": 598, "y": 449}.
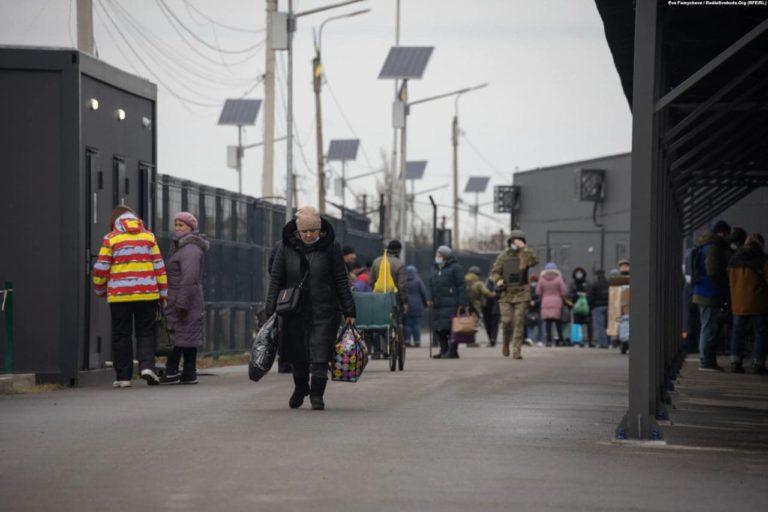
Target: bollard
{"x": 7, "y": 308}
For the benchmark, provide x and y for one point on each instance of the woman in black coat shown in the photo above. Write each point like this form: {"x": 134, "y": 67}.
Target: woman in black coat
{"x": 309, "y": 333}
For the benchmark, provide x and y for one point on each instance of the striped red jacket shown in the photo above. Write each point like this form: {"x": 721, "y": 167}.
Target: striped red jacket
{"x": 130, "y": 267}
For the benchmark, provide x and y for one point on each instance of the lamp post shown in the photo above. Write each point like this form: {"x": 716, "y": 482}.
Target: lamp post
{"x": 455, "y": 141}
{"x": 317, "y": 83}
{"x": 291, "y": 28}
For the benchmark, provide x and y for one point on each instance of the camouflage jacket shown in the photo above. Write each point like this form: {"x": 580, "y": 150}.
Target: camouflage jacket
{"x": 512, "y": 267}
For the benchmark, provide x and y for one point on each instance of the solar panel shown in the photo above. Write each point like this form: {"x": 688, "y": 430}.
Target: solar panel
{"x": 239, "y": 112}
{"x": 343, "y": 150}
{"x": 414, "y": 170}
{"x": 477, "y": 184}
{"x": 406, "y": 62}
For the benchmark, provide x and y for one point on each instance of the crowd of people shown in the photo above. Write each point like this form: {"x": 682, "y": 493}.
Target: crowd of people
{"x": 312, "y": 279}
{"x": 727, "y": 278}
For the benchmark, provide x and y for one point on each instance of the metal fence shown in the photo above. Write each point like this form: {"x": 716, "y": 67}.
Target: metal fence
{"x": 242, "y": 231}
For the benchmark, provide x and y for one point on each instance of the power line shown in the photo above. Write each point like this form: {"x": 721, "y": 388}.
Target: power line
{"x": 158, "y": 43}
{"x": 346, "y": 120}
{"x": 202, "y": 41}
{"x": 172, "y": 57}
{"x": 484, "y": 159}
{"x": 222, "y": 25}
{"x": 149, "y": 69}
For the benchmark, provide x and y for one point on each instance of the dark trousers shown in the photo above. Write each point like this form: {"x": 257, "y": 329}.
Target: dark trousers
{"x": 129, "y": 318}
{"x": 190, "y": 361}
{"x": 301, "y": 374}
{"x": 491, "y": 322}
{"x": 412, "y": 329}
{"x": 558, "y": 326}
{"x": 443, "y": 338}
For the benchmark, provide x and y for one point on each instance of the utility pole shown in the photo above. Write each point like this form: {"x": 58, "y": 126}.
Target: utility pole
{"x": 240, "y": 159}
{"x": 403, "y": 164}
{"x": 317, "y": 72}
{"x": 394, "y": 131}
{"x": 455, "y": 140}
{"x": 268, "y": 171}
{"x": 289, "y": 179}
{"x": 85, "y": 41}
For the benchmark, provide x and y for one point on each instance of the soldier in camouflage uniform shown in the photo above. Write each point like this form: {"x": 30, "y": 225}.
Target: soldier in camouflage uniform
{"x": 510, "y": 273}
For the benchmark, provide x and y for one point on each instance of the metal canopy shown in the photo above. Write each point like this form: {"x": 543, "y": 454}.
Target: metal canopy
{"x": 343, "y": 150}
{"x": 239, "y": 112}
{"x": 406, "y": 62}
{"x": 697, "y": 81}
{"x": 477, "y": 184}
{"x": 414, "y": 170}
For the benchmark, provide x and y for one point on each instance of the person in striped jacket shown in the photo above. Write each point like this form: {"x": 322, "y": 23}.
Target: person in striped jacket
{"x": 130, "y": 272}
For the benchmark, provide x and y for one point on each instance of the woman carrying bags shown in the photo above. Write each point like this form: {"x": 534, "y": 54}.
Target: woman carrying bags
{"x": 309, "y": 266}
{"x": 185, "y": 310}
{"x": 448, "y": 291}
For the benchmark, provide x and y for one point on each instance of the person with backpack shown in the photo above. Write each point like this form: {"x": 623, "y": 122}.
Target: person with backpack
{"x": 130, "y": 272}
{"x": 748, "y": 279}
{"x": 710, "y": 289}
{"x": 578, "y": 296}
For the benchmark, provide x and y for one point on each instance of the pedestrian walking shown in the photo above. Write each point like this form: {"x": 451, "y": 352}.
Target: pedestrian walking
{"x": 185, "y": 309}
{"x": 551, "y": 288}
{"x": 447, "y": 291}
{"x": 491, "y": 313}
{"x": 130, "y": 272}
{"x": 534, "y": 327}
{"x": 477, "y": 292}
{"x": 309, "y": 263}
{"x": 578, "y": 295}
{"x": 510, "y": 273}
{"x": 597, "y": 294}
{"x": 417, "y": 301}
{"x": 710, "y": 289}
{"x": 748, "y": 279}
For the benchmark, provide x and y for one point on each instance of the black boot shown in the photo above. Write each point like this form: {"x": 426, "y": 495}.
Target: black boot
{"x": 301, "y": 386}
{"x": 316, "y": 391}
{"x": 443, "y": 339}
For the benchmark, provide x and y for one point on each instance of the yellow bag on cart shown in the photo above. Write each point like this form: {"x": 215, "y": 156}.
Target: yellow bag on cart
{"x": 384, "y": 283}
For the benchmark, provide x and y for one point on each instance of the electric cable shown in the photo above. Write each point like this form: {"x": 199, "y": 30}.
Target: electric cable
{"x": 189, "y": 6}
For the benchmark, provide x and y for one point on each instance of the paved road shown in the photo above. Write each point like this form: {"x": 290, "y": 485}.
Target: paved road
{"x": 481, "y": 433}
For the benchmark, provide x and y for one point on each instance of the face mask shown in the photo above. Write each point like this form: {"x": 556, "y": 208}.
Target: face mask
{"x": 179, "y": 234}
{"x": 438, "y": 260}
{"x": 579, "y": 276}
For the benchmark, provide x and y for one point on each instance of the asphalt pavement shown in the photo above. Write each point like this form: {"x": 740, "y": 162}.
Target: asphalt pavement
{"x": 479, "y": 433}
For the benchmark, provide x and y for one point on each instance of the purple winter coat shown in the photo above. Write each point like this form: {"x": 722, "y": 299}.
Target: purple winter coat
{"x": 551, "y": 289}
{"x": 184, "y": 267}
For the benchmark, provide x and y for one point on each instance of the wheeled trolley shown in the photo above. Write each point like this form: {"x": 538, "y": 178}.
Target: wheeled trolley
{"x": 378, "y": 313}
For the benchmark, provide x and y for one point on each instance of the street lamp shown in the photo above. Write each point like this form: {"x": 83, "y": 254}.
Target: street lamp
{"x": 238, "y": 112}
{"x": 317, "y": 82}
{"x": 476, "y": 185}
{"x": 290, "y": 28}
{"x": 455, "y": 141}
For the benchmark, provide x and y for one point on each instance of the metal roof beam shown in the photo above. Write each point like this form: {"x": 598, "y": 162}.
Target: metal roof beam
{"x": 704, "y": 215}
{"x": 703, "y": 107}
{"x": 711, "y": 65}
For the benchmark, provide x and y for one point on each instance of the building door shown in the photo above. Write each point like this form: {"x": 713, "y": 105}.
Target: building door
{"x": 100, "y": 184}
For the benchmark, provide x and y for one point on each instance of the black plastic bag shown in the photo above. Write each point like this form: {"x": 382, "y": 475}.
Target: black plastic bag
{"x": 163, "y": 335}
{"x": 263, "y": 350}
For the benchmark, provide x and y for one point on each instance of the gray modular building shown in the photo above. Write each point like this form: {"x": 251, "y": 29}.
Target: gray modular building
{"x": 78, "y": 137}
{"x": 564, "y": 229}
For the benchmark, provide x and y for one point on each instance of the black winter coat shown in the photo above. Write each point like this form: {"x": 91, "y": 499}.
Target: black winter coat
{"x": 577, "y": 287}
{"x": 448, "y": 291}
{"x": 598, "y": 292}
{"x": 310, "y": 332}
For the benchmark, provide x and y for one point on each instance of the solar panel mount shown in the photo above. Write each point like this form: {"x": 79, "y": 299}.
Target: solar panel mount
{"x": 477, "y": 184}
{"x": 343, "y": 150}
{"x": 414, "y": 170}
{"x": 239, "y": 112}
{"x": 406, "y": 62}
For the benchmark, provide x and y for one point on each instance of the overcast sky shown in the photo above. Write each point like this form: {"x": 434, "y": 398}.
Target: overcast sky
{"x": 554, "y": 93}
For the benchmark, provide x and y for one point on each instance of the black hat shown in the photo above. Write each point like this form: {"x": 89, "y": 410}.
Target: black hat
{"x": 721, "y": 227}
{"x": 394, "y": 246}
{"x": 347, "y": 249}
